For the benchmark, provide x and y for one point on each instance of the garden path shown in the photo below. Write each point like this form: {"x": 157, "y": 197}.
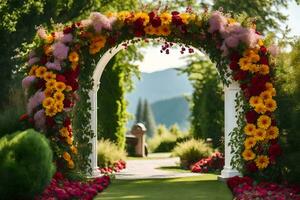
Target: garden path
{"x": 153, "y": 168}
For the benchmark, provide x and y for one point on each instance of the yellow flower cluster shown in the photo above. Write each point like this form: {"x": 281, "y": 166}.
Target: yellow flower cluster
{"x": 97, "y": 42}
{"x": 249, "y": 62}
{"x": 264, "y": 102}
{"x": 64, "y": 133}
{"x": 163, "y": 30}
{"x": 67, "y": 157}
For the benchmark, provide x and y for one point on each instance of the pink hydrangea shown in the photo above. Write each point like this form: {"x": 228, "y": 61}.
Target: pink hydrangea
{"x": 34, "y": 101}
{"x": 64, "y": 38}
{"x": 40, "y": 119}
{"x": 250, "y": 37}
{"x": 27, "y": 81}
{"x": 217, "y": 22}
{"x": 274, "y": 50}
{"x": 33, "y": 60}
{"x": 54, "y": 65}
{"x": 99, "y": 21}
{"x": 60, "y": 50}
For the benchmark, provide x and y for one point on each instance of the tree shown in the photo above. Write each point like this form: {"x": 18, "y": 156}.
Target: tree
{"x": 139, "y": 112}
{"x": 207, "y": 108}
{"x": 148, "y": 119}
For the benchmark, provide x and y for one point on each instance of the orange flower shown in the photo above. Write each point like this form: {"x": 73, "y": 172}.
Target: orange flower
{"x": 264, "y": 122}
{"x": 249, "y": 142}
{"x": 69, "y": 140}
{"x": 48, "y": 102}
{"x": 260, "y": 134}
{"x": 271, "y": 105}
{"x": 71, "y": 164}
{"x": 73, "y": 56}
{"x": 249, "y": 129}
{"x": 40, "y": 72}
{"x": 260, "y": 108}
{"x": 60, "y": 86}
{"x": 51, "y": 84}
{"x": 48, "y": 92}
{"x": 51, "y": 111}
{"x": 48, "y": 50}
{"x": 248, "y": 154}
{"x": 255, "y": 100}
{"x": 64, "y": 132}
{"x": 165, "y": 30}
{"x": 59, "y": 96}
{"x": 49, "y": 75}
{"x": 165, "y": 18}
{"x": 67, "y": 156}
{"x": 74, "y": 149}
{"x": 262, "y": 161}
{"x": 272, "y": 132}
{"x": 59, "y": 106}
{"x": 32, "y": 70}
{"x": 264, "y": 69}
{"x": 266, "y": 95}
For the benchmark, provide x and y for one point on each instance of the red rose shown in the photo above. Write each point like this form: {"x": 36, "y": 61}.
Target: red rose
{"x": 139, "y": 33}
{"x": 273, "y": 122}
{"x": 240, "y": 75}
{"x": 67, "y": 122}
{"x": 244, "y": 86}
{"x": 151, "y": 15}
{"x": 68, "y": 30}
{"x": 41, "y": 83}
{"x": 264, "y": 60}
{"x": 139, "y": 23}
{"x": 176, "y": 20}
{"x": 251, "y": 167}
{"x": 111, "y": 40}
{"x": 275, "y": 150}
{"x": 23, "y": 117}
{"x": 233, "y": 65}
{"x": 272, "y": 160}
{"x": 175, "y": 13}
{"x": 67, "y": 103}
{"x": 61, "y": 78}
{"x": 251, "y": 116}
{"x": 50, "y": 122}
{"x": 255, "y": 90}
{"x": 235, "y": 56}
{"x": 263, "y": 49}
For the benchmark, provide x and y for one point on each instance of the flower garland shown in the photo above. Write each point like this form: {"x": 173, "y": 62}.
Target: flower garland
{"x": 59, "y": 57}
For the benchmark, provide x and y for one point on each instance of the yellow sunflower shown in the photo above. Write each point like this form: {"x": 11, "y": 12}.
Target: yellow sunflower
{"x": 255, "y": 100}
{"x": 260, "y": 134}
{"x": 266, "y": 95}
{"x": 40, "y": 72}
{"x": 49, "y": 75}
{"x": 51, "y": 84}
{"x": 262, "y": 161}
{"x": 272, "y": 132}
{"x": 271, "y": 105}
{"x": 59, "y": 96}
{"x": 248, "y": 154}
{"x": 249, "y": 142}
{"x": 60, "y": 86}
{"x": 59, "y": 106}
{"x": 249, "y": 129}
{"x": 264, "y": 122}
{"x": 260, "y": 108}
{"x": 166, "y": 18}
{"x": 48, "y": 102}
{"x": 51, "y": 111}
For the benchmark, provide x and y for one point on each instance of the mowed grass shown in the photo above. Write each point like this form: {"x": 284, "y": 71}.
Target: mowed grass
{"x": 204, "y": 186}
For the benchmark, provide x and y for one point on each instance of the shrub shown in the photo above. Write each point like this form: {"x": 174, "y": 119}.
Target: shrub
{"x": 191, "y": 151}
{"x": 26, "y": 166}
{"x": 9, "y": 117}
{"x": 109, "y": 153}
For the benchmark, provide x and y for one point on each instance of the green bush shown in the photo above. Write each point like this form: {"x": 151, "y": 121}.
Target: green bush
{"x": 26, "y": 166}
{"x": 191, "y": 151}
{"x": 9, "y": 117}
{"x": 109, "y": 153}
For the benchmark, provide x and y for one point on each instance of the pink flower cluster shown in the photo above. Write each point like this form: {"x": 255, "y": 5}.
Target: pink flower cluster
{"x": 117, "y": 167}
{"x": 210, "y": 164}
{"x": 61, "y": 188}
{"x": 35, "y": 100}
{"x": 244, "y": 188}
{"x": 99, "y": 22}
{"x": 232, "y": 33}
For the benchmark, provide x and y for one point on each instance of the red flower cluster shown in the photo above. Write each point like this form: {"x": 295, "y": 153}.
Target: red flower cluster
{"x": 210, "y": 164}
{"x": 244, "y": 188}
{"x": 117, "y": 167}
{"x": 61, "y": 188}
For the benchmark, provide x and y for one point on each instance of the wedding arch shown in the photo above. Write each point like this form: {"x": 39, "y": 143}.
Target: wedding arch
{"x": 63, "y": 77}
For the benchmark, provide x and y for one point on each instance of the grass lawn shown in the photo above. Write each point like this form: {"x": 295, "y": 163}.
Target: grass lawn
{"x": 205, "y": 186}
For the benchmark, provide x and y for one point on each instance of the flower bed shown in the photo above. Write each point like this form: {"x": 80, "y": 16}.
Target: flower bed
{"x": 210, "y": 164}
{"x": 244, "y": 188}
{"x": 118, "y": 166}
{"x": 61, "y": 188}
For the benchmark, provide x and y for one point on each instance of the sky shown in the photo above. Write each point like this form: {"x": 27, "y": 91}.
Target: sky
{"x": 156, "y": 61}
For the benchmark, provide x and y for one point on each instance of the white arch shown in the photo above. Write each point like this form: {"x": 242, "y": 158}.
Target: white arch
{"x": 230, "y": 120}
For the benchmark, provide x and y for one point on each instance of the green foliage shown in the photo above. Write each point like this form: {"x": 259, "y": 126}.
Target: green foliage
{"x": 288, "y": 89}
{"x": 109, "y": 153}
{"x": 148, "y": 119}
{"x": 207, "y": 107}
{"x": 9, "y": 117}
{"x": 191, "y": 151}
{"x": 26, "y": 165}
{"x": 139, "y": 112}
{"x": 165, "y": 140}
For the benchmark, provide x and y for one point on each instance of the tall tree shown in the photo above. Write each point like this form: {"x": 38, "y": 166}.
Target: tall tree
{"x": 207, "y": 108}
{"x": 139, "y": 112}
{"x": 148, "y": 119}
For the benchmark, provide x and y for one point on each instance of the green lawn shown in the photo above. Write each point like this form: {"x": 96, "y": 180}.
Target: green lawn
{"x": 199, "y": 187}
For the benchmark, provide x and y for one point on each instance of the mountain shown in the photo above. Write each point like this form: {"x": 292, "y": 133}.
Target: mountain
{"x": 171, "y": 111}
{"x": 158, "y": 86}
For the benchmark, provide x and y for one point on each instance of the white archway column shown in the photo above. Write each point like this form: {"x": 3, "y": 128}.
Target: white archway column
{"x": 230, "y": 121}
{"x": 93, "y": 122}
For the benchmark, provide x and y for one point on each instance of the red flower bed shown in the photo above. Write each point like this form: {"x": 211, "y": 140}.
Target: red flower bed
{"x": 210, "y": 164}
{"x": 61, "y": 188}
{"x": 244, "y": 188}
{"x": 117, "y": 167}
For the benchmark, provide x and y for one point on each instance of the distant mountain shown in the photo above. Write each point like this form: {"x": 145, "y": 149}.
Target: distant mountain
{"x": 171, "y": 111}
{"x": 158, "y": 86}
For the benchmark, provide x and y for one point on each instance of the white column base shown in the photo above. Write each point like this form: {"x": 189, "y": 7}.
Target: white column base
{"x": 228, "y": 173}
{"x": 96, "y": 173}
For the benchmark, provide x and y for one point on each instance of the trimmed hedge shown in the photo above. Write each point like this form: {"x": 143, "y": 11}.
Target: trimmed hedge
{"x": 26, "y": 166}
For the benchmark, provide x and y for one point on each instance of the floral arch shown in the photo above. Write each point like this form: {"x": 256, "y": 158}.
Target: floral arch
{"x": 62, "y": 79}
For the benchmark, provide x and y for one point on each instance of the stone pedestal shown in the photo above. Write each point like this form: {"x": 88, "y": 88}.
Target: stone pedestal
{"x": 138, "y": 131}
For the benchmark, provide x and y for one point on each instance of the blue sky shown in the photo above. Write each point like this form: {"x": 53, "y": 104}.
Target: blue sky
{"x": 155, "y": 61}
